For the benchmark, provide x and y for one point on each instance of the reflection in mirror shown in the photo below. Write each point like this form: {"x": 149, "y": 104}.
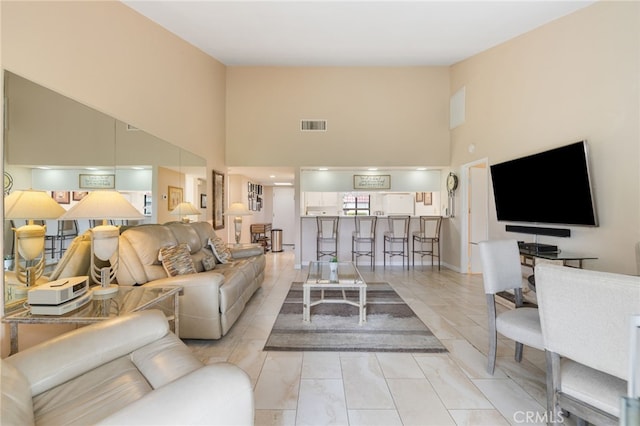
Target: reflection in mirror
{"x": 58, "y": 145}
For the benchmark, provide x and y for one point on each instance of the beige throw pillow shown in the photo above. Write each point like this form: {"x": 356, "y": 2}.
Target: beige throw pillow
{"x": 176, "y": 260}
{"x": 208, "y": 263}
{"x": 220, "y": 250}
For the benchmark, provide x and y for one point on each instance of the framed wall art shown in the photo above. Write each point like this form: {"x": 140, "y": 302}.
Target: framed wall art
{"x": 371, "y": 181}
{"x": 218, "y": 200}
{"x": 97, "y": 181}
{"x": 175, "y": 197}
{"x": 79, "y": 195}
{"x": 62, "y": 197}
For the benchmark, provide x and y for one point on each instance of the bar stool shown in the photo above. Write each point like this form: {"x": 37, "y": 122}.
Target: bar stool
{"x": 67, "y": 230}
{"x": 327, "y": 237}
{"x": 429, "y": 233}
{"x": 364, "y": 234}
{"x": 398, "y": 233}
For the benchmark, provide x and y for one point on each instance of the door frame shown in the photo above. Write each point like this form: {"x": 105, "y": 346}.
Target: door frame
{"x": 465, "y": 261}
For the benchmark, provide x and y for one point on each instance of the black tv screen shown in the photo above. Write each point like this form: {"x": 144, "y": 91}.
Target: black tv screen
{"x": 551, "y": 187}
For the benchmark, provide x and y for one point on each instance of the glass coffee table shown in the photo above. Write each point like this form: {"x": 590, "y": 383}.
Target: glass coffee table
{"x": 322, "y": 277}
{"x": 100, "y": 308}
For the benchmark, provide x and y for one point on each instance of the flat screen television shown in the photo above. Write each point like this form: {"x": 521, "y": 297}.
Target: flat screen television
{"x": 551, "y": 187}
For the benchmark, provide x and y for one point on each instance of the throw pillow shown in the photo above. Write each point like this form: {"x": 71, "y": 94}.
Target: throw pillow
{"x": 220, "y": 250}
{"x": 209, "y": 263}
{"x": 176, "y": 260}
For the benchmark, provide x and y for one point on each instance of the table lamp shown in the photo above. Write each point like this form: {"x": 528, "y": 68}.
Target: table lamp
{"x": 29, "y": 239}
{"x": 237, "y": 210}
{"x": 104, "y": 204}
{"x": 184, "y": 210}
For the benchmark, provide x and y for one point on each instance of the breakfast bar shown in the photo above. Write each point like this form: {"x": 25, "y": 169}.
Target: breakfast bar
{"x": 346, "y": 227}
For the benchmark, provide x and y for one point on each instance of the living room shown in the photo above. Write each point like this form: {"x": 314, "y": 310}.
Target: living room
{"x": 574, "y": 78}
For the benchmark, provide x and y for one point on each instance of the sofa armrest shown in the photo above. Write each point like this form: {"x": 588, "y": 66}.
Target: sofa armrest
{"x": 217, "y": 394}
{"x": 245, "y": 250}
{"x": 62, "y": 358}
{"x": 199, "y": 303}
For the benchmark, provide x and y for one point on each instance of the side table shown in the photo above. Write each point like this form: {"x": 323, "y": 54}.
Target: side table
{"x": 126, "y": 300}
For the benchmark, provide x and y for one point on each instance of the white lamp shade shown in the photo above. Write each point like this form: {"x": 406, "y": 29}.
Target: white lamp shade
{"x": 238, "y": 209}
{"x": 185, "y": 209}
{"x": 103, "y": 205}
{"x": 30, "y": 204}
{"x": 105, "y": 241}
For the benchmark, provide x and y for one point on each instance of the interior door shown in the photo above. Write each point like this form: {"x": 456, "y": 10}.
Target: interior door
{"x": 284, "y": 213}
{"x": 478, "y": 214}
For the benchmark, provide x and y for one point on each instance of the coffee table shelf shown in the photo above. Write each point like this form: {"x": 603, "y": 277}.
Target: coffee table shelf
{"x": 322, "y": 277}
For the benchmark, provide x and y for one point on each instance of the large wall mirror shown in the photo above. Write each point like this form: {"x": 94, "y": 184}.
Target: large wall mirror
{"x": 55, "y": 144}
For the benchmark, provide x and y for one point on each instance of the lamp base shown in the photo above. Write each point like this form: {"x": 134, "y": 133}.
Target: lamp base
{"x": 100, "y": 291}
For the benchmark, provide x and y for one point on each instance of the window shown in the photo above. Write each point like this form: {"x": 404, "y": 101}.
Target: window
{"x": 355, "y": 204}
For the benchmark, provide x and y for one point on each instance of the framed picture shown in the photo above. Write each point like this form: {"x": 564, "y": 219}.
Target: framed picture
{"x": 62, "y": 197}
{"x": 175, "y": 197}
{"x": 371, "y": 181}
{"x": 218, "y": 200}
{"x": 427, "y": 198}
{"x": 419, "y": 197}
{"x": 79, "y": 195}
{"x": 203, "y": 201}
{"x": 97, "y": 181}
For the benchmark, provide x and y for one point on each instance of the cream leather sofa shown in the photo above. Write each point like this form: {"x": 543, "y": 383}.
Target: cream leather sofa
{"x": 212, "y": 300}
{"x": 127, "y": 371}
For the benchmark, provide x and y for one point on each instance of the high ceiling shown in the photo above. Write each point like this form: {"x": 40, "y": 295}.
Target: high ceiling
{"x": 347, "y": 33}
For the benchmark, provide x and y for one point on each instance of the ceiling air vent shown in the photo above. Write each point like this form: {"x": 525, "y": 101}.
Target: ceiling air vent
{"x": 313, "y": 125}
{"x": 131, "y": 128}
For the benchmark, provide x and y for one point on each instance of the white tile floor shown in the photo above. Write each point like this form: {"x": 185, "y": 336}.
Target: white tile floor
{"x": 331, "y": 388}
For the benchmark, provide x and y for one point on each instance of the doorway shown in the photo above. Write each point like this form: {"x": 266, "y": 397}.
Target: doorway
{"x": 284, "y": 214}
{"x": 475, "y": 214}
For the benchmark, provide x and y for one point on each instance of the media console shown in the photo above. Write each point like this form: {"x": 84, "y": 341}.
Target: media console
{"x": 529, "y": 257}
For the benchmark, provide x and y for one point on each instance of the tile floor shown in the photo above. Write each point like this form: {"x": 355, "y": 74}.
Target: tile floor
{"x": 331, "y": 388}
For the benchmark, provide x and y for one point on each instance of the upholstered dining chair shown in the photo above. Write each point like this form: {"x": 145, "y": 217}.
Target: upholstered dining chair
{"x": 363, "y": 239}
{"x": 586, "y": 317}
{"x": 327, "y": 236}
{"x": 426, "y": 241}
{"x": 501, "y": 272}
{"x": 398, "y": 233}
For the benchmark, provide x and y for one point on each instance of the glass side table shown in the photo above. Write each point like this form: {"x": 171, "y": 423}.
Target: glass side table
{"x": 127, "y": 299}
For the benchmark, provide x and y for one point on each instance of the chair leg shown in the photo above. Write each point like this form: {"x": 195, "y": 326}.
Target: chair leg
{"x": 519, "y": 349}
{"x": 493, "y": 343}
{"x": 493, "y": 334}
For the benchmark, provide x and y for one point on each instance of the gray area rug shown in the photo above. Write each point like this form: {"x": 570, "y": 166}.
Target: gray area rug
{"x": 391, "y": 324}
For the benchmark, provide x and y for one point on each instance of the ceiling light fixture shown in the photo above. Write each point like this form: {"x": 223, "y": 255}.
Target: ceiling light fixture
{"x": 282, "y": 183}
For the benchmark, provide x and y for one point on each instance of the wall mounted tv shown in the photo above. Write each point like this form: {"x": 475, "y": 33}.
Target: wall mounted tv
{"x": 551, "y": 187}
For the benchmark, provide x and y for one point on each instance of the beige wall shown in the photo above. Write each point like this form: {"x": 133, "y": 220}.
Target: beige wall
{"x": 575, "y": 78}
{"x": 376, "y": 116}
{"x": 108, "y": 57}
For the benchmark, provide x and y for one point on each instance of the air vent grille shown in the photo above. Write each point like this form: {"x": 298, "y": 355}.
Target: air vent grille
{"x": 131, "y": 128}
{"x": 313, "y": 125}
